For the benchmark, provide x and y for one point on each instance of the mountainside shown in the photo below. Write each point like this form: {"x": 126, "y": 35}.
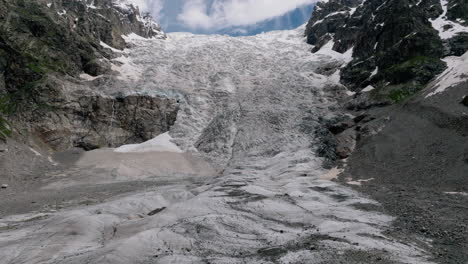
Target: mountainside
{"x": 397, "y": 45}
{"x": 50, "y": 49}
{"x": 409, "y": 84}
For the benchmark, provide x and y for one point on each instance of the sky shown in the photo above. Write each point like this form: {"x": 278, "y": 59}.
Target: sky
{"x": 234, "y": 17}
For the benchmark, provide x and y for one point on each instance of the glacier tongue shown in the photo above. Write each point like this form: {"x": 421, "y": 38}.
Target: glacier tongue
{"x": 250, "y": 107}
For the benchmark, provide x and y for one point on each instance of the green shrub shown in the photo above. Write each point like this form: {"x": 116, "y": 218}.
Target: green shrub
{"x": 5, "y": 128}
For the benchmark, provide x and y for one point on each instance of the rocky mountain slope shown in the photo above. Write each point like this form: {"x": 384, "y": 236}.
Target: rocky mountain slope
{"x": 409, "y": 84}
{"x": 51, "y": 51}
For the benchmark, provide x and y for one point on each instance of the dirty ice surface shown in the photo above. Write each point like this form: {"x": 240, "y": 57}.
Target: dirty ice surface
{"x": 243, "y": 184}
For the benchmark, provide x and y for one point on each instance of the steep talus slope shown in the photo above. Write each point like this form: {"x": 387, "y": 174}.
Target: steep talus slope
{"x": 409, "y": 79}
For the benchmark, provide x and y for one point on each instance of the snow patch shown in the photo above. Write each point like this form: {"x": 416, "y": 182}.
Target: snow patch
{"x": 456, "y": 72}
{"x": 161, "y": 143}
{"x": 35, "y": 152}
{"x": 88, "y": 77}
{"x": 368, "y": 89}
{"x": 359, "y": 182}
{"x": 447, "y": 29}
{"x": 109, "y": 47}
{"x": 327, "y": 50}
{"x": 376, "y": 70}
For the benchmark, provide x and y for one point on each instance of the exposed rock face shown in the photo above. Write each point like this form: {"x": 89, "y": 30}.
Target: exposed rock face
{"x": 409, "y": 110}
{"x": 395, "y": 47}
{"x": 94, "y": 121}
{"x": 45, "y": 46}
{"x": 398, "y": 47}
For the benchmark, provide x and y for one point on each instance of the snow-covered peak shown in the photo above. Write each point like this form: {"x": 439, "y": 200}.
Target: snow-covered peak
{"x": 126, "y": 4}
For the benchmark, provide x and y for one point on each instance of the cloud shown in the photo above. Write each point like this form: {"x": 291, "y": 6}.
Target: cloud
{"x": 217, "y": 14}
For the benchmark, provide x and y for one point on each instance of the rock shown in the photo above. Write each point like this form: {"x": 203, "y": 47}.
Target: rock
{"x": 465, "y": 101}
{"x": 40, "y": 80}
{"x": 155, "y": 211}
{"x": 93, "y": 121}
{"x": 4, "y": 186}
{"x": 340, "y": 124}
{"x": 346, "y": 143}
{"x": 399, "y": 59}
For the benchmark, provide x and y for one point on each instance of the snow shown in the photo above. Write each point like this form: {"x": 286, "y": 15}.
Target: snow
{"x": 442, "y": 21}
{"x": 327, "y": 50}
{"x": 161, "y": 143}
{"x": 359, "y": 182}
{"x": 132, "y": 36}
{"x": 88, "y": 77}
{"x": 91, "y": 5}
{"x": 109, "y": 47}
{"x": 126, "y": 4}
{"x": 368, "y": 89}
{"x": 374, "y": 72}
{"x": 35, "y": 152}
{"x": 456, "y": 72}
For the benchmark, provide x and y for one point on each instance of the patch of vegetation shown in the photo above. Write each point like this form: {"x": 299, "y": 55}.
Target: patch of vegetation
{"x": 400, "y": 95}
{"x": 420, "y": 68}
{"x": 5, "y": 127}
{"x": 395, "y": 93}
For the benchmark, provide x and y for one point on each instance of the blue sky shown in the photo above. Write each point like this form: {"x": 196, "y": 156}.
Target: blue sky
{"x": 234, "y": 17}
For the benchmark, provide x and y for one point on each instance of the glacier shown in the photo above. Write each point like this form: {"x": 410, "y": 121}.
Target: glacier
{"x": 244, "y": 184}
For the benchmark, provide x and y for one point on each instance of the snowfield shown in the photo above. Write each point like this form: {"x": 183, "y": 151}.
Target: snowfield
{"x": 236, "y": 180}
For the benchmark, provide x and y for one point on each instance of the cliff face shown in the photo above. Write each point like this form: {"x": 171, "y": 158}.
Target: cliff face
{"x": 45, "y": 47}
{"x": 405, "y": 55}
{"x": 397, "y": 45}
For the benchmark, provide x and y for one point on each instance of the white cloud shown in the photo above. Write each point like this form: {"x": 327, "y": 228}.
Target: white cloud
{"x": 215, "y": 14}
